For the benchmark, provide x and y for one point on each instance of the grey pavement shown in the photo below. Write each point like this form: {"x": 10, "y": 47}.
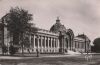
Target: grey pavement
{"x": 30, "y": 57}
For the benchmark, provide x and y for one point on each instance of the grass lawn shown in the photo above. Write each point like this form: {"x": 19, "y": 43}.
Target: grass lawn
{"x": 68, "y": 60}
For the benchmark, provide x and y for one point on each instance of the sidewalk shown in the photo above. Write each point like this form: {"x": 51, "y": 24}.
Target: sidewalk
{"x": 34, "y": 56}
{"x": 12, "y": 57}
{"x": 65, "y": 55}
{"x": 30, "y": 56}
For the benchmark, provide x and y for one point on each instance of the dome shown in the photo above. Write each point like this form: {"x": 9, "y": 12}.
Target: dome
{"x": 57, "y": 27}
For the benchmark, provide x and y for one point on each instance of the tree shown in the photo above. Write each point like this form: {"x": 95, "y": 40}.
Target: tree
{"x": 27, "y": 42}
{"x": 12, "y": 50}
{"x": 18, "y": 24}
{"x": 96, "y": 47}
{"x": 4, "y": 49}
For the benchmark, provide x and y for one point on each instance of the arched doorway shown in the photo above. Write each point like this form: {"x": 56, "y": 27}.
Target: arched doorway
{"x": 66, "y": 41}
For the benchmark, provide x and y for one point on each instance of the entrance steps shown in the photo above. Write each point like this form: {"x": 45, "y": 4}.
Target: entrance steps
{"x": 72, "y": 52}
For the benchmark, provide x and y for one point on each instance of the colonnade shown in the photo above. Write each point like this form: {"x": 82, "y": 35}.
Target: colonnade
{"x": 68, "y": 43}
{"x": 81, "y": 46}
{"x": 44, "y": 44}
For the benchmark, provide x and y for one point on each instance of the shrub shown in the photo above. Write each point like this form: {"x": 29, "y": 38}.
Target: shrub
{"x": 12, "y": 50}
{"x": 4, "y": 49}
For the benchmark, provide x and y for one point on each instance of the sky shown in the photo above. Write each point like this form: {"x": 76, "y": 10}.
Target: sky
{"x": 82, "y": 16}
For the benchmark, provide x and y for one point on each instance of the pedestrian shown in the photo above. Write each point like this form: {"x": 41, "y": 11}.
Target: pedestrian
{"x": 37, "y": 52}
{"x": 28, "y": 50}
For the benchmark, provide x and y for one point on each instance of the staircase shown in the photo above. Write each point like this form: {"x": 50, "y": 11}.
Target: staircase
{"x": 72, "y": 52}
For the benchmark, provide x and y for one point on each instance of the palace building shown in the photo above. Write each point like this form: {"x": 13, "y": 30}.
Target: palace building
{"x": 56, "y": 40}
{"x": 82, "y": 43}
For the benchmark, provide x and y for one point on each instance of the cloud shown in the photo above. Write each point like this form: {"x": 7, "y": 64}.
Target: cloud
{"x": 79, "y": 15}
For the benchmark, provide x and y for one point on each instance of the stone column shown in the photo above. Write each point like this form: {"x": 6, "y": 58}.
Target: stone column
{"x": 51, "y": 44}
{"x": 30, "y": 40}
{"x": 38, "y": 37}
{"x": 62, "y": 44}
{"x": 54, "y": 44}
{"x": 65, "y": 44}
{"x": 76, "y": 44}
{"x": 48, "y": 44}
{"x": 85, "y": 45}
{"x": 68, "y": 43}
{"x": 34, "y": 43}
{"x": 45, "y": 43}
{"x": 81, "y": 45}
{"x": 57, "y": 48}
{"x": 58, "y": 44}
{"x": 41, "y": 41}
{"x": 73, "y": 44}
{"x": 41, "y": 44}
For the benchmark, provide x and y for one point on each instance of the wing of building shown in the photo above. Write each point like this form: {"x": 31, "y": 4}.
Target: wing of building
{"x": 56, "y": 40}
{"x": 82, "y": 43}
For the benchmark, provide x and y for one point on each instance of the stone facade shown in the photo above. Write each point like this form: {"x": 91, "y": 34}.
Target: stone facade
{"x": 82, "y": 44}
{"x": 57, "y": 40}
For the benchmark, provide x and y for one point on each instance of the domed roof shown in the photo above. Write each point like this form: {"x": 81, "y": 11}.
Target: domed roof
{"x": 57, "y": 27}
